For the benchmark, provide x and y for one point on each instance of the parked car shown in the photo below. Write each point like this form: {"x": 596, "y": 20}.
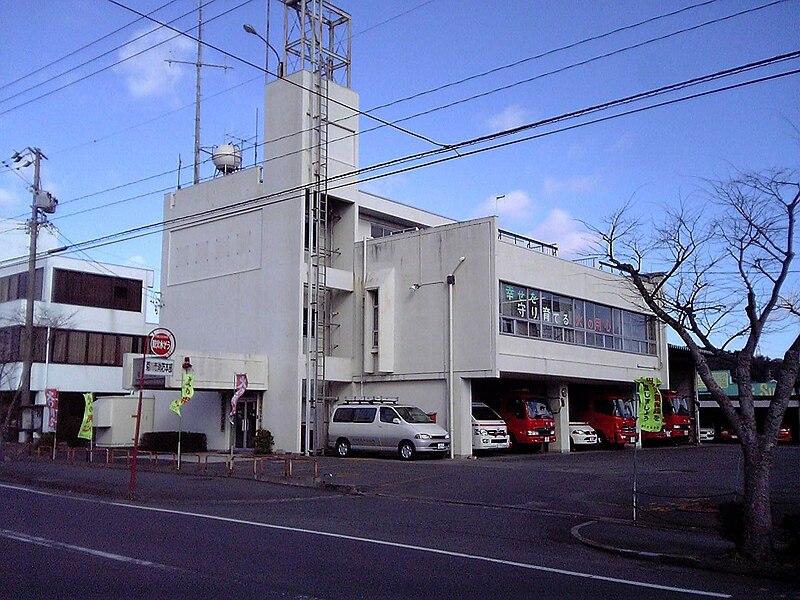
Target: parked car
{"x": 582, "y": 434}
{"x": 726, "y": 434}
{"x": 706, "y": 434}
{"x": 489, "y": 431}
{"x": 785, "y": 435}
{"x": 385, "y": 426}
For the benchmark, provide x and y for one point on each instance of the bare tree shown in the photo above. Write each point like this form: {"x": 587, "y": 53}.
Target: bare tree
{"x": 721, "y": 283}
{"x": 9, "y": 369}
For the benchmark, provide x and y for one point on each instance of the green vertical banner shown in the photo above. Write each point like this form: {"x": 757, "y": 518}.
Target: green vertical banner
{"x": 87, "y": 425}
{"x": 651, "y": 415}
{"x": 187, "y": 391}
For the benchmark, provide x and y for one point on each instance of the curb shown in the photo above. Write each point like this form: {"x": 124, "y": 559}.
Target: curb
{"x": 678, "y": 559}
{"x": 733, "y": 565}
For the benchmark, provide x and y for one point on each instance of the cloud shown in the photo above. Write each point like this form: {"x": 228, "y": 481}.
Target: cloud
{"x": 138, "y": 260}
{"x": 573, "y": 185}
{"x": 387, "y": 187}
{"x": 513, "y": 116}
{"x": 567, "y": 233}
{"x": 149, "y": 74}
{"x": 516, "y": 204}
{"x": 8, "y": 198}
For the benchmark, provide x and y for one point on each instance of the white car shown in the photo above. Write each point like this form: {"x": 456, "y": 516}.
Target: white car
{"x": 489, "y": 431}
{"x": 707, "y": 434}
{"x": 582, "y": 434}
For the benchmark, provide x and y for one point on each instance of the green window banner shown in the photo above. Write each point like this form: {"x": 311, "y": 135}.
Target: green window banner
{"x": 651, "y": 415}
{"x": 187, "y": 391}
{"x": 87, "y": 425}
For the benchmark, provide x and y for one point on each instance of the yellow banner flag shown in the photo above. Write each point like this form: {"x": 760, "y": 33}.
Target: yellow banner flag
{"x": 651, "y": 414}
{"x": 87, "y": 426}
{"x": 187, "y": 391}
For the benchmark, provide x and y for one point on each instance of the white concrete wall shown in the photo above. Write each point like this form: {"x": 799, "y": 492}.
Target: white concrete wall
{"x": 521, "y": 266}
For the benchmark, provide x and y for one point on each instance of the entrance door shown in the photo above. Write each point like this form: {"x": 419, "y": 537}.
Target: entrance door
{"x": 245, "y": 422}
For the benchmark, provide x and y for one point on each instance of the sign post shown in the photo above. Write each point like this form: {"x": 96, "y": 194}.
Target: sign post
{"x": 161, "y": 343}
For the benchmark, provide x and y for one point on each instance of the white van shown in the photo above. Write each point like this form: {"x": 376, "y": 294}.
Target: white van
{"x": 489, "y": 431}
{"x": 385, "y": 427}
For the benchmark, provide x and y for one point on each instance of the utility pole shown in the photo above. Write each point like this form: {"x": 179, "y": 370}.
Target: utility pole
{"x": 42, "y": 202}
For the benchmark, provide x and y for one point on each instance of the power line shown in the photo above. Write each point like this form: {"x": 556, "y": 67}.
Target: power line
{"x": 542, "y": 55}
{"x": 402, "y": 14}
{"x": 263, "y": 70}
{"x": 82, "y": 48}
{"x": 274, "y": 198}
{"x": 476, "y": 76}
{"x": 114, "y": 64}
{"x": 489, "y": 137}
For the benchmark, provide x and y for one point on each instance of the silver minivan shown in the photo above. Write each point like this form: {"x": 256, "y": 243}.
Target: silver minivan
{"x": 396, "y": 428}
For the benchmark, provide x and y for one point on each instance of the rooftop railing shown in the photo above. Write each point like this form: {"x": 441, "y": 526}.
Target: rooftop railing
{"x": 526, "y": 242}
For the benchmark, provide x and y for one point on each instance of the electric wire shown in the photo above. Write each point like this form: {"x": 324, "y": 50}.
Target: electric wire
{"x": 579, "y": 43}
{"x": 263, "y": 70}
{"x": 269, "y": 199}
{"x": 120, "y": 61}
{"x": 478, "y": 75}
{"x": 495, "y": 90}
{"x": 538, "y": 124}
{"x": 82, "y": 48}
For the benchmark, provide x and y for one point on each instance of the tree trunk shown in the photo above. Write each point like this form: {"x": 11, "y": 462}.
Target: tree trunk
{"x": 757, "y": 539}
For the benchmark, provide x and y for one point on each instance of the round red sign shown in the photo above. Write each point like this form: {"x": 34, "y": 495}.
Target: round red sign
{"x": 162, "y": 342}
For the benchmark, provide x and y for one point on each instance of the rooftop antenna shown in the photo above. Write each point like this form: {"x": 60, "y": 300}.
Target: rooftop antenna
{"x": 199, "y": 64}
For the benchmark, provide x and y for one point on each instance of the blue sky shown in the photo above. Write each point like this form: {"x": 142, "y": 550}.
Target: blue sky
{"x": 132, "y": 120}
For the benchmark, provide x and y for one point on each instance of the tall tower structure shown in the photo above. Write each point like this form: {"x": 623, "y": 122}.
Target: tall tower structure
{"x": 317, "y": 39}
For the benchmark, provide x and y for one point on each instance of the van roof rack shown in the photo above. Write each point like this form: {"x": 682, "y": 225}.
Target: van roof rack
{"x": 372, "y": 400}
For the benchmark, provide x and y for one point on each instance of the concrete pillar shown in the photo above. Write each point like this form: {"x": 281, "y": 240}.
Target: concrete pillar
{"x": 558, "y": 402}
{"x": 462, "y": 417}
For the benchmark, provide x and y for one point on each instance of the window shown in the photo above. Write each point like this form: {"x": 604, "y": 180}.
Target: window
{"x": 533, "y": 313}
{"x": 99, "y": 291}
{"x": 388, "y": 415}
{"x": 11, "y": 344}
{"x": 343, "y": 415}
{"x": 379, "y": 230}
{"x": 92, "y": 348}
{"x": 375, "y": 319}
{"x": 364, "y": 415}
{"x": 15, "y": 286}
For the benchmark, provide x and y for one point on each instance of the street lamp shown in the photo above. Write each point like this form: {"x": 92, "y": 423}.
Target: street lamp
{"x": 450, "y": 282}
{"x": 252, "y": 30}
{"x": 496, "y": 198}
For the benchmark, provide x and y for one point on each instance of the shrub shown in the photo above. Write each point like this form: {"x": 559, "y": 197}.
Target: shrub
{"x": 263, "y": 442}
{"x": 167, "y": 441}
{"x": 791, "y": 528}
{"x": 731, "y": 521}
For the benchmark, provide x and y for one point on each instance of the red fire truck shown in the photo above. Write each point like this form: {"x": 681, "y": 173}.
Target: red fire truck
{"x": 530, "y": 423}
{"x": 677, "y": 421}
{"x": 613, "y": 416}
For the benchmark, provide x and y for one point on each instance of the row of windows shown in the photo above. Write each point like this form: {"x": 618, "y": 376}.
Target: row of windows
{"x": 77, "y": 288}
{"x": 99, "y": 291}
{"x": 15, "y": 286}
{"x": 71, "y": 347}
{"x": 537, "y": 314}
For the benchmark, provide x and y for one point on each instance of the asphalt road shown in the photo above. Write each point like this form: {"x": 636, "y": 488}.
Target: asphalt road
{"x": 491, "y": 529}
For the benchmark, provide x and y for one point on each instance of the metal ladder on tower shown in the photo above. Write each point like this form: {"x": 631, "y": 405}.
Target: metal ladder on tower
{"x": 320, "y": 247}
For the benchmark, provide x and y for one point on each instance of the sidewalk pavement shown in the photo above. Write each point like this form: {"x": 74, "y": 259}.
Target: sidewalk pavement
{"x": 679, "y": 546}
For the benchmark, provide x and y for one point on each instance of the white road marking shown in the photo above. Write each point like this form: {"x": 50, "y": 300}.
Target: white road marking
{"x": 377, "y": 542}
{"x": 47, "y": 543}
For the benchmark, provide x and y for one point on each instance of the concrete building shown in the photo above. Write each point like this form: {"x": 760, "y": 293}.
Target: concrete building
{"x": 343, "y": 293}
{"x": 87, "y": 315}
